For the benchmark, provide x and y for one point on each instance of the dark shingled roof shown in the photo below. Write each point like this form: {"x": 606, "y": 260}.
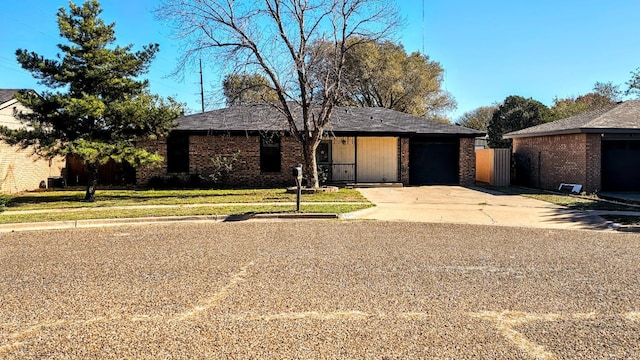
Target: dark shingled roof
{"x": 623, "y": 117}
{"x": 344, "y": 120}
{"x": 7, "y": 94}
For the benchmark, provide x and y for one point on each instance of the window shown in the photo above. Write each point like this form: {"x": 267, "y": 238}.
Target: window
{"x": 178, "y": 153}
{"x": 270, "y": 154}
{"x": 323, "y": 152}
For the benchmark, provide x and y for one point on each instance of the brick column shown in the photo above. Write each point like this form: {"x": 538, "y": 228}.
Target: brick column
{"x": 404, "y": 160}
{"x": 467, "y": 162}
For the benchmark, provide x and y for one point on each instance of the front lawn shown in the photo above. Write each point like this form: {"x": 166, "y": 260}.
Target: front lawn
{"x": 109, "y": 198}
{"x": 114, "y": 204}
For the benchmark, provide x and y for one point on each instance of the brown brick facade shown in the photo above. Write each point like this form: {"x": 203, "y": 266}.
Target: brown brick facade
{"x": 247, "y": 168}
{"x": 202, "y": 148}
{"x": 144, "y": 174}
{"x": 594, "y": 163}
{"x": 552, "y": 160}
{"x": 403, "y": 152}
{"x": 467, "y": 162}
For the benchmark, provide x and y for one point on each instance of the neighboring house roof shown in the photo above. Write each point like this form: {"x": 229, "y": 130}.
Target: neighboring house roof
{"x": 7, "y": 94}
{"x": 623, "y": 117}
{"x": 344, "y": 120}
{"x": 8, "y": 106}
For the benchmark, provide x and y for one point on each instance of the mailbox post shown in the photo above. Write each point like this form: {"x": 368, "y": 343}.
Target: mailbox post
{"x": 297, "y": 173}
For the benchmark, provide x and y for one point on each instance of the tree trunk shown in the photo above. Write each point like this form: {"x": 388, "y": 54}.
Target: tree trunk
{"x": 310, "y": 164}
{"x": 92, "y": 182}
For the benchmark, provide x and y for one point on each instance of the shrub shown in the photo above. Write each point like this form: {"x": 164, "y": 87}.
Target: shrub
{"x": 323, "y": 173}
{"x": 222, "y": 167}
{"x": 176, "y": 182}
{"x": 4, "y": 200}
{"x": 157, "y": 182}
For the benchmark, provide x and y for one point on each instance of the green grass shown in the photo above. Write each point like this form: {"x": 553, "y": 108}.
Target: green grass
{"x": 68, "y": 205}
{"x": 108, "y": 198}
{"x": 568, "y": 201}
{"x": 107, "y": 213}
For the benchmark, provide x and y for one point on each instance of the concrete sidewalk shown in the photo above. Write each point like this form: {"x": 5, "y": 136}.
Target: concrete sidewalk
{"x": 456, "y": 204}
{"x": 94, "y": 223}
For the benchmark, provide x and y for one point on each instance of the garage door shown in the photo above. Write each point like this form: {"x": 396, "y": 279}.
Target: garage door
{"x": 621, "y": 165}
{"x": 433, "y": 162}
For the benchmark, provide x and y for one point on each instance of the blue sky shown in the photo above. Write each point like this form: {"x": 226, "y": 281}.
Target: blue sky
{"x": 489, "y": 49}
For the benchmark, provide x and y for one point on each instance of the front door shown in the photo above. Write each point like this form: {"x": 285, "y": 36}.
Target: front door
{"x": 323, "y": 158}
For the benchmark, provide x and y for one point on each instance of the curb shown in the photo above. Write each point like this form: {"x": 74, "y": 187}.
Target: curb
{"x": 93, "y": 223}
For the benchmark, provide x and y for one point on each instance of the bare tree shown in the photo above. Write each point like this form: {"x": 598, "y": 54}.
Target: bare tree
{"x": 242, "y": 89}
{"x": 478, "y": 118}
{"x": 276, "y": 38}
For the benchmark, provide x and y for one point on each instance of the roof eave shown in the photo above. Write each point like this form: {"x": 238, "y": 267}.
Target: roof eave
{"x": 573, "y": 131}
{"x": 612, "y": 131}
{"x": 8, "y": 103}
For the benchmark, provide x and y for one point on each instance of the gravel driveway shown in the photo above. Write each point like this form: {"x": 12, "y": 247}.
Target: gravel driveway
{"x": 319, "y": 289}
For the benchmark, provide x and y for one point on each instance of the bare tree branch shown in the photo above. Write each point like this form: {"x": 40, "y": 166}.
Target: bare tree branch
{"x": 278, "y": 38}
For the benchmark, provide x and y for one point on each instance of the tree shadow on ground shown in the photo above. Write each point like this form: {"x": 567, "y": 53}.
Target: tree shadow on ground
{"x": 569, "y": 201}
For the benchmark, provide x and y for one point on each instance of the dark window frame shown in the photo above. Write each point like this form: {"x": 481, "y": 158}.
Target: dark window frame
{"x": 270, "y": 154}
{"x": 178, "y": 153}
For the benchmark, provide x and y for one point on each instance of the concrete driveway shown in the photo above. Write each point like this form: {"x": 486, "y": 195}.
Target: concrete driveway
{"x": 456, "y": 204}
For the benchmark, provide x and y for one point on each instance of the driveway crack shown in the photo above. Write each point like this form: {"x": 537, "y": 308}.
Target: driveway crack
{"x": 493, "y": 221}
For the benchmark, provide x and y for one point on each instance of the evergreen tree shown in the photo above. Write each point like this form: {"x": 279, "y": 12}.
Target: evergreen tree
{"x": 515, "y": 113}
{"x": 100, "y": 107}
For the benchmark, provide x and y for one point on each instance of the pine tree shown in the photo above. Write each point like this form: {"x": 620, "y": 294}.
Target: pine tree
{"x": 98, "y": 106}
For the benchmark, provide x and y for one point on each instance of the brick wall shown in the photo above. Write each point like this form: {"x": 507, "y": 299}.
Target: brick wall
{"x": 144, "y": 174}
{"x": 246, "y": 173}
{"x": 572, "y": 158}
{"x": 20, "y": 170}
{"x": 593, "y": 180}
{"x": 247, "y": 168}
{"x": 467, "y": 162}
{"x": 403, "y": 152}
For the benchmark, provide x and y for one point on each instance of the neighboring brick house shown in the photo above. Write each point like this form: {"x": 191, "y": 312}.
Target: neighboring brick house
{"x": 599, "y": 150}
{"x": 362, "y": 145}
{"x": 20, "y": 169}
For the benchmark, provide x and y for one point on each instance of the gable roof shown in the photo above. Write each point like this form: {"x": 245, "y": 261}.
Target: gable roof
{"x": 623, "y": 117}
{"x": 7, "y": 94}
{"x": 345, "y": 120}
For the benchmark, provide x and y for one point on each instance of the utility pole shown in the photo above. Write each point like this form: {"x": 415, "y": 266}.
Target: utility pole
{"x": 423, "y": 27}
{"x": 201, "y": 87}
